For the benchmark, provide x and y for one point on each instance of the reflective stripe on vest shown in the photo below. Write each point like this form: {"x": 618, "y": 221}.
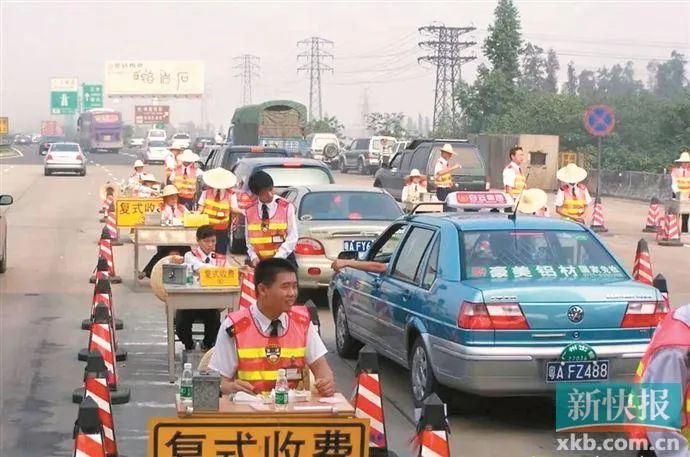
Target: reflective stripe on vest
{"x": 445, "y": 179}
{"x": 259, "y": 357}
{"x": 573, "y": 205}
{"x": 519, "y": 183}
{"x": 218, "y": 210}
{"x": 683, "y": 183}
{"x": 266, "y": 237}
{"x": 186, "y": 185}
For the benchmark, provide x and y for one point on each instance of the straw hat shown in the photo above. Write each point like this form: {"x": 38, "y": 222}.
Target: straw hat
{"x": 532, "y": 200}
{"x": 684, "y": 157}
{"x": 138, "y": 163}
{"x": 148, "y": 177}
{"x": 447, "y": 148}
{"x": 571, "y": 174}
{"x": 157, "y": 276}
{"x": 103, "y": 192}
{"x": 169, "y": 190}
{"x": 219, "y": 178}
{"x": 414, "y": 173}
{"x": 188, "y": 156}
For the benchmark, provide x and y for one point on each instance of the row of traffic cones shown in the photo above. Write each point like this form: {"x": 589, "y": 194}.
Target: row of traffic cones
{"x": 665, "y": 222}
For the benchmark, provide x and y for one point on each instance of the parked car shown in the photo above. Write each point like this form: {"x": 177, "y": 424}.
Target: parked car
{"x": 423, "y": 154}
{"x": 227, "y": 156}
{"x": 183, "y": 139}
{"x": 156, "y": 151}
{"x": 136, "y": 142}
{"x": 324, "y": 147}
{"x": 366, "y": 155}
{"x": 201, "y": 142}
{"x": 206, "y": 153}
{"x": 65, "y": 157}
{"x": 492, "y": 305}
{"x": 400, "y": 146}
{"x": 47, "y": 141}
{"x": 286, "y": 172}
{"x": 332, "y": 218}
{"x": 22, "y": 140}
{"x": 4, "y": 201}
{"x": 157, "y": 134}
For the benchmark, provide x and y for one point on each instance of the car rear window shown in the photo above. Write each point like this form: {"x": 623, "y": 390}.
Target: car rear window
{"x": 297, "y": 176}
{"x": 158, "y": 144}
{"x": 334, "y": 206}
{"x": 466, "y": 156}
{"x": 534, "y": 254}
{"x": 65, "y": 147}
{"x": 232, "y": 157}
{"x": 53, "y": 139}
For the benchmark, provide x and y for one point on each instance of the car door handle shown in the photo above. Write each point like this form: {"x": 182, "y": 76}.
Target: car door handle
{"x": 406, "y": 296}
{"x": 377, "y": 282}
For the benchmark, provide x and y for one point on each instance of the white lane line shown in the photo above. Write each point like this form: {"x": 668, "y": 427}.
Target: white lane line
{"x": 17, "y": 151}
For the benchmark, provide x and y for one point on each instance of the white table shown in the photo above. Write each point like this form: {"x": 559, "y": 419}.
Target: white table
{"x": 155, "y": 235}
{"x": 194, "y": 297}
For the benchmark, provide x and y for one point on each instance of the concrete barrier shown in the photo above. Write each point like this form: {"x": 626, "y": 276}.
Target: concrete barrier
{"x": 637, "y": 185}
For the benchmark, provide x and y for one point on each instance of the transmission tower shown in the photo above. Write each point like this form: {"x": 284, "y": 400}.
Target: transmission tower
{"x": 249, "y": 69}
{"x": 314, "y": 62}
{"x": 445, "y": 48}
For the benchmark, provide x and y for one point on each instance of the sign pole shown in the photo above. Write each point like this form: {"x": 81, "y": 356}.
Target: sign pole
{"x": 599, "y": 166}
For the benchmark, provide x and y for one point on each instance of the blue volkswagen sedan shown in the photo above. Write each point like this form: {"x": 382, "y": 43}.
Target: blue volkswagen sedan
{"x": 495, "y": 305}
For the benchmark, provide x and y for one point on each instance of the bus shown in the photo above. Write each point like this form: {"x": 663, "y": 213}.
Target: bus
{"x": 100, "y": 129}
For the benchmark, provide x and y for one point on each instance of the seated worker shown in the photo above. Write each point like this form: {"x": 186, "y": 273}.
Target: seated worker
{"x": 415, "y": 184}
{"x": 134, "y": 179}
{"x": 533, "y": 201}
{"x": 271, "y": 227}
{"x": 255, "y": 342}
{"x": 202, "y": 255}
{"x": 173, "y": 213}
{"x": 148, "y": 187}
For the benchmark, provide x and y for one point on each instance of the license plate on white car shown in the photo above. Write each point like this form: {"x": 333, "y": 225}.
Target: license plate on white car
{"x": 588, "y": 370}
{"x": 356, "y": 245}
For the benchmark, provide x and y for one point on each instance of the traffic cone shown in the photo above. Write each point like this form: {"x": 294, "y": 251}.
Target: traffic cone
{"x": 642, "y": 268}
{"x": 105, "y": 249}
{"x": 597, "y": 224}
{"x": 101, "y": 340}
{"x": 653, "y": 216}
{"x": 432, "y": 429}
{"x": 88, "y": 431}
{"x": 102, "y": 293}
{"x": 102, "y": 318}
{"x": 247, "y": 290}
{"x": 112, "y": 226}
{"x": 96, "y": 387}
{"x": 670, "y": 235}
{"x": 662, "y": 286}
{"x": 368, "y": 399}
{"x": 104, "y": 208}
{"x": 102, "y": 270}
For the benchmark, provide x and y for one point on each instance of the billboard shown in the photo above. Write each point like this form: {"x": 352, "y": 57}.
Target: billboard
{"x": 49, "y": 128}
{"x": 154, "y": 78}
{"x": 151, "y": 114}
{"x": 64, "y": 84}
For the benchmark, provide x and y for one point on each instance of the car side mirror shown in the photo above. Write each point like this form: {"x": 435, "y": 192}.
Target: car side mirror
{"x": 348, "y": 255}
{"x": 6, "y": 200}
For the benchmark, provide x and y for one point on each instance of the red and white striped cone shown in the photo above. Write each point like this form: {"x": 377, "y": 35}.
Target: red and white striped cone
{"x": 102, "y": 294}
{"x": 102, "y": 270}
{"x": 102, "y": 317}
{"x": 88, "y": 431}
{"x": 653, "y": 216}
{"x": 105, "y": 249}
{"x": 111, "y": 224}
{"x": 597, "y": 224}
{"x": 662, "y": 286}
{"x": 368, "y": 398}
{"x": 101, "y": 340}
{"x": 247, "y": 290}
{"x": 109, "y": 200}
{"x": 96, "y": 387}
{"x": 642, "y": 267}
{"x": 671, "y": 232}
{"x": 432, "y": 429}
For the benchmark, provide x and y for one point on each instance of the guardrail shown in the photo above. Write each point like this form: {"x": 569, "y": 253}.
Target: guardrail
{"x": 637, "y": 185}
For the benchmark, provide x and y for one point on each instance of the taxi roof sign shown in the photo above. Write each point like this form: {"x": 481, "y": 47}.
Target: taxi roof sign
{"x": 479, "y": 200}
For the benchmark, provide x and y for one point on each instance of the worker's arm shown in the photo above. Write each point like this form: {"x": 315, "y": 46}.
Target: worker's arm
{"x": 230, "y": 386}
{"x": 674, "y": 184}
{"x": 224, "y": 361}
{"x": 373, "y": 267}
{"x": 446, "y": 170}
{"x": 508, "y": 178}
{"x": 290, "y": 242}
{"x": 324, "y": 381}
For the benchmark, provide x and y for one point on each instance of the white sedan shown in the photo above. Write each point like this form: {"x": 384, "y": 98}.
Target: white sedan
{"x": 65, "y": 157}
{"x": 156, "y": 152}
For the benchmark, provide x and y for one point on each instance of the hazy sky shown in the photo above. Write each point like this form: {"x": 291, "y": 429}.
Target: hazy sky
{"x": 375, "y": 47}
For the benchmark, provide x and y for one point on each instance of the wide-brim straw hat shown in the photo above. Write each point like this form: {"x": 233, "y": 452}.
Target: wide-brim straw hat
{"x": 219, "y": 178}
{"x": 188, "y": 156}
{"x": 571, "y": 174}
{"x": 157, "y": 277}
{"x": 148, "y": 177}
{"x": 447, "y": 148}
{"x": 138, "y": 163}
{"x": 103, "y": 192}
{"x": 169, "y": 190}
{"x": 414, "y": 173}
{"x": 532, "y": 200}
{"x": 684, "y": 157}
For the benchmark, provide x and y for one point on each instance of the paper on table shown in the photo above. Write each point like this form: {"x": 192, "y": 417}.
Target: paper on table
{"x": 331, "y": 400}
{"x": 243, "y": 397}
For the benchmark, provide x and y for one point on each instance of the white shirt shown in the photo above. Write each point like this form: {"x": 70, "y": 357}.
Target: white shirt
{"x": 290, "y": 242}
{"x": 146, "y": 191}
{"x": 170, "y": 161}
{"x": 174, "y": 214}
{"x": 412, "y": 190}
{"x": 509, "y": 174}
{"x": 195, "y": 262}
{"x": 224, "y": 358}
{"x": 441, "y": 163}
{"x": 560, "y": 196}
{"x": 233, "y": 198}
{"x": 191, "y": 169}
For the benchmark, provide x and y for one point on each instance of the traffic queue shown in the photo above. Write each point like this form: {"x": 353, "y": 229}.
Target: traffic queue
{"x": 460, "y": 299}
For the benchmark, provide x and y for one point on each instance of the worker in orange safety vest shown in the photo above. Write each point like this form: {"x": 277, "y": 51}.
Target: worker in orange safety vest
{"x": 171, "y": 162}
{"x": 219, "y": 201}
{"x": 680, "y": 184}
{"x": 667, "y": 361}
{"x": 253, "y": 343}
{"x": 572, "y": 198}
{"x": 185, "y": 178}
{"x": 514, "y": 180}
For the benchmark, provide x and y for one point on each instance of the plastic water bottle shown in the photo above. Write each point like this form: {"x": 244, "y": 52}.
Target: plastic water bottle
{"x": 186, "y": 385}
{"x": 282, "y": 390}
{"x": 189, "y": 276}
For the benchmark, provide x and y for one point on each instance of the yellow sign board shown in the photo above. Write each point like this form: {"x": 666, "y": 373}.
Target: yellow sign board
{"x": 266, "y": 437}
{"x": 195, "y": 219}
{"x": 130, "y": 212}
{"x": 4, "y": 125}
{"x": 219, "y": 277}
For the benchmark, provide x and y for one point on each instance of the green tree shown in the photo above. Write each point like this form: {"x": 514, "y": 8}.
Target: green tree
{"x": 325, "y": 125}
{"x": 389, "y": 124}
{"x": 552, "y": 67}
{"x": 587, "y": 85}
{"x": 570, "y": 86}
{"x": 533, "y": 78}
{"x": 669, "y": 77}
{"x": 504, "y": 42}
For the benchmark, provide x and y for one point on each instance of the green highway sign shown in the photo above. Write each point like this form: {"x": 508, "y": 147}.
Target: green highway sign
{"x": 63, "y": 102}
{"x": 92, "y": 96}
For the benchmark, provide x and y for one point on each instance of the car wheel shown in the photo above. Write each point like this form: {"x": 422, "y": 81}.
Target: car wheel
{"x": 361, "y": 169}
{"x": 82, "y": 173}
{"x": 343, "y": 168}
{"x": 3, "y": 262}
{"x": 346, "y": 346}
{"x": 46, "y": 172}
{"x": 422, "y": 379}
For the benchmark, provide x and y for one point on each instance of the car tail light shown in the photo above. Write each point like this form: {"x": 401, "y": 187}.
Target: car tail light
{"x": 292, "y": 165}
{"x": 487, "y": 186}
{"x": 80, "y": 157}
{"x": 45, "y": 145}
{"x": 491, "y": 316}
{"x": 309, "y": 246}
{"x": 257, "y": 149}
{"x": 198, "y": 145}
{"x": 314, "y": 271}
{"x": 644, "y": 314}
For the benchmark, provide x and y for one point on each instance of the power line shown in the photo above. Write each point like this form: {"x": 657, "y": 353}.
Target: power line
{"x": 445, "y": 49}
{"x": 249, "y": 68}
{"x": 314, "y": 63}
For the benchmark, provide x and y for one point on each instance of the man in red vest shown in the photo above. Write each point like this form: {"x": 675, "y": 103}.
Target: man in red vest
{"x": 255, "y": 342}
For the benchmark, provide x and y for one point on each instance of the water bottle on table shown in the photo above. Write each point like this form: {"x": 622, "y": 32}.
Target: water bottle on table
{"x": 282, "y": 390}
{"x": 186, "y": 392}
{"x": 189, "y": 279}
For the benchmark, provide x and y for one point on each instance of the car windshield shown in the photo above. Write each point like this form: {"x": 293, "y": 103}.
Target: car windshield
{"x": 53, "y": 139}
{"x": 376, "y": 144}
{"x": 465, "y": 155}
{"x": 536, "y": 254}
{"x": 158, "y": 144}
{"x": 345, "y": 205}
{"x": 297, "y": 176}
{"x": 64, "y": 147}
